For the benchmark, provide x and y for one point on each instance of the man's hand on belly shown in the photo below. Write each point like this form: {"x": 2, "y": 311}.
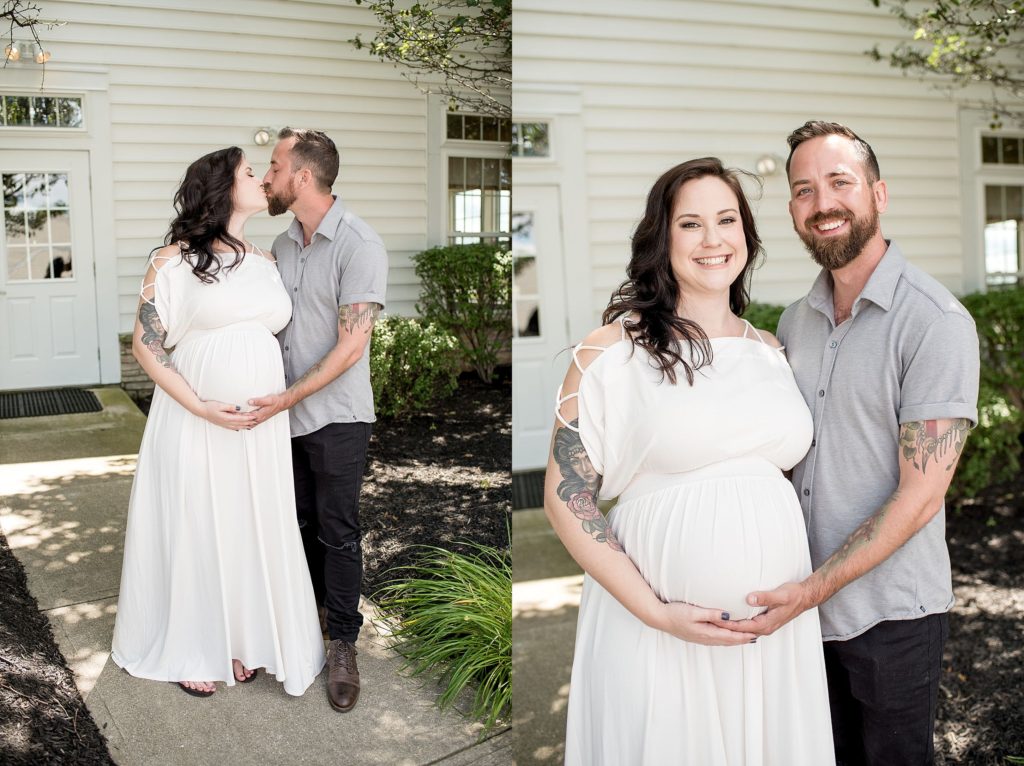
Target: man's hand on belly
{"x": 784, "y": 604}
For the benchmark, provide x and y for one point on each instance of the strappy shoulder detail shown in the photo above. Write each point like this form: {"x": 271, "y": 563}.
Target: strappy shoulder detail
{"x": 259, "y": 252}
{"x": 154, "y": 263}
{"x": 559, "y": 398}
{"x": 753, "y": 329}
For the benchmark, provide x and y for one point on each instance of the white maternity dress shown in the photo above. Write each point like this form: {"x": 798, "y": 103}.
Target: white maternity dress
{"x": 707, "y": 517}
{"x": 213, "y": 562}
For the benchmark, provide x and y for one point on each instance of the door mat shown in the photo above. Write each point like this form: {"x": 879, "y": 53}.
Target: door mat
{"x": 527, "y": 490}
{"x": 54, "y": 401}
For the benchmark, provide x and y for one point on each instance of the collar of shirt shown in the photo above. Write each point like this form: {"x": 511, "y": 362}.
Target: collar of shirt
{"x": 328, "y": 227}
{"x": 880, "y": 288}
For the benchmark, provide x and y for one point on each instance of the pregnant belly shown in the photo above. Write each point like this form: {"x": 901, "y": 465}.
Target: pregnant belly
{"x": 232, "y": 365}
{"x": 712, "y": 542}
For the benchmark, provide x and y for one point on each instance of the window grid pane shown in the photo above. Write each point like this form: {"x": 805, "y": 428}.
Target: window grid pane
{"x": 24, "y": 111}
{"x": 37, "y": 230}
{"x": 1004, "y": 217}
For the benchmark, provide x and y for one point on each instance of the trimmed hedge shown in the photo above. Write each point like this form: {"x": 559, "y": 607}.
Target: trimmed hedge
{"x": 412, "y": 365}
{"x": 467, "y": 290}
{"x": 764, "y": 316}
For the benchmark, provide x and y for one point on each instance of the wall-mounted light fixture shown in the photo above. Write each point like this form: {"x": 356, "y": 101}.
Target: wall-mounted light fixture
{"x": 16, "y": 51}
{"x": 263, "y": 136}
{"x": 768, "y": 164}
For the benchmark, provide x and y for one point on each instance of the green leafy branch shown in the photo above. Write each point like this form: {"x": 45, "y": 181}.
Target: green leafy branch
{"x": 466, "y": 44}
{"x": 968, "y": 42}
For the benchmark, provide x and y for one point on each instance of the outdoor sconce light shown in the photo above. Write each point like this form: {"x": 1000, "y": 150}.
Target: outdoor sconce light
{"x": 15, "y": 50}
{"x": 768, "y": 164}
{"x": 262, "y": 136}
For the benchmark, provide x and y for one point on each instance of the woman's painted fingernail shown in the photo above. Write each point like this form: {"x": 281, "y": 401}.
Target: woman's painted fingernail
{"x": 753, "y": 640}
{"x": 725, "y": 615}
{"x": 237, "y": 408}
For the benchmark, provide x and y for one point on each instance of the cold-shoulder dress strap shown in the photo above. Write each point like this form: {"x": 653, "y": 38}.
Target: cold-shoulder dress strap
{"x": 152, "y": 263}
{"x": 751, "y": 328}
{"x": 259, "y": 252}
{"x": 560, "y": 399}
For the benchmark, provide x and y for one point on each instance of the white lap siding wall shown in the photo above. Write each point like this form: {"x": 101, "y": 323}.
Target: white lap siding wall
{"x": 662, "y": 81}
{"x": 192, "y": 76}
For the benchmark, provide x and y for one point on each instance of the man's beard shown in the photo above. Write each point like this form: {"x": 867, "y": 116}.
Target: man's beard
{"x": 277, "y": 204}
{"x": 835, "y": 252}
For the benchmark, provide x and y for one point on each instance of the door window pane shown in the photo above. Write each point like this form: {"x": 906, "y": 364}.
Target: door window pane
{"x": 525, "y": 283}
{"x": 37, "y": 226}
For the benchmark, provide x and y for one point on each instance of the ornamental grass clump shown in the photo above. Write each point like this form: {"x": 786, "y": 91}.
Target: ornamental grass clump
{"x": 451, "y": 615}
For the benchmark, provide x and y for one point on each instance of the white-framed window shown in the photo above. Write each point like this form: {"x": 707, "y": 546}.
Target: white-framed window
{"x": 1002, "y": 179}
{"x": 33, "y": 110}
{"x": 477, "y": 179}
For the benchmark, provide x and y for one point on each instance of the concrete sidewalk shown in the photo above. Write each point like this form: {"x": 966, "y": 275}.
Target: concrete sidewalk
{"x": 64, "y": 488}
{"x": 546, "y": 585}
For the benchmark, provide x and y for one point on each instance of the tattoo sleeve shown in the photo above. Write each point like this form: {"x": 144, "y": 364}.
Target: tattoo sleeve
{"x": 860, "y": 537}
{"x": 580, "y": 484}
{"x": 153, "y": 333}
{"x": 359, "y": 316}
{"x": 920, "y": 441}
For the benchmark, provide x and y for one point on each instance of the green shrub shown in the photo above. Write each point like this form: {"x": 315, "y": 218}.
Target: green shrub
{"x": 453, "y": 616}
{"x": 764, "y": 316}
{"x": 467, "y": 290}
{"x": 993, "y": 451}
{"x": 412, "y": 364}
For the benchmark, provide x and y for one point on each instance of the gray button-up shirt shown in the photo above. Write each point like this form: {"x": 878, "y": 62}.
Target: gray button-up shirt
{"x": 345, "y": 263}
{"x": 909, "y": 352}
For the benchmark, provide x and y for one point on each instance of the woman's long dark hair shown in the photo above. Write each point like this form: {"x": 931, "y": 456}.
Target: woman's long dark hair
{"x": 203, "y": 204}
{"x": 651, "y": 290}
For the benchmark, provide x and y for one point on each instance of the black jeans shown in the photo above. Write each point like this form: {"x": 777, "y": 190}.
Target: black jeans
{"x": 883, "y": 690}
{"x": 328, "y": 468}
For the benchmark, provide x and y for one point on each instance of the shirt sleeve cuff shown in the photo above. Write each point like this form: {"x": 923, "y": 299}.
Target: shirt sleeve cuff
{"x": 939, "y": 411}
{"x": 348, "y": 300}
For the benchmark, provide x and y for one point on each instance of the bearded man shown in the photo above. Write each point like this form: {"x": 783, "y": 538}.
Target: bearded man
{"x": 887, "y": 361}
{"x": 335, "y": 269}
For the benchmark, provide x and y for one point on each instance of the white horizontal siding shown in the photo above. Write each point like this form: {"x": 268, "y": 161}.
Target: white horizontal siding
{"x": 188, "y": 77}
{"x": 662, "y": 81}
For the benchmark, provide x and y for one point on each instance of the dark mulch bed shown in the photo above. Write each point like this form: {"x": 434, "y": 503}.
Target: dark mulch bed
{"x": 981, "y": 698}
{"x": 439, "y": 478}
{"x": 43, "y": 719}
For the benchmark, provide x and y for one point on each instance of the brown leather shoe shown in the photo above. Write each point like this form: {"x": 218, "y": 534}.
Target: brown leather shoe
{"x": 342, "y": 675}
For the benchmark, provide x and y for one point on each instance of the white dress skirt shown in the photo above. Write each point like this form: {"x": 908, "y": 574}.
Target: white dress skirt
{"x": 214, "y": 567}
{"x": 707, "y": 517}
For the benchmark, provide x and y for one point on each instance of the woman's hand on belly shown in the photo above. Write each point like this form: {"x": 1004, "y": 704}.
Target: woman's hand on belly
{"x": 699, "y": 625}
{"x": 226, "y": 415}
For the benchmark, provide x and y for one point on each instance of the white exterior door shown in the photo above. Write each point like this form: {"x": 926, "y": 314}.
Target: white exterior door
{"x": 539, "y": 319}
{"x": 48, "y": 327}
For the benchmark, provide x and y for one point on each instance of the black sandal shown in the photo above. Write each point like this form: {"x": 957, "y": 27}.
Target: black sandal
{"x": 195, "y": 692}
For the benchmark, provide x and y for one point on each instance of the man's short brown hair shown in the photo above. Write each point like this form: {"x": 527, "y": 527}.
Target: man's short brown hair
{"x": 313, "y": 149}
{"x": 815, "y": 128}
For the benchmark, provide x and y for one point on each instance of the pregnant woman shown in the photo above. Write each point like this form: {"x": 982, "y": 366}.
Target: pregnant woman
{"x": 214, "y": 582}
{"x": 689, "y": 416}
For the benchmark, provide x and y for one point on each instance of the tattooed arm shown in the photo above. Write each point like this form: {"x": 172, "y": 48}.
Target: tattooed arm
{"x": 148, "y": 348}
{"x": 929, "y": 451}
{"x": 355, "y": 325}
{"x": 570, "y": 503}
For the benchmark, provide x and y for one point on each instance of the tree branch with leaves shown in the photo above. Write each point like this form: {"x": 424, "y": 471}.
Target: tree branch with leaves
{"x": 461, "y": 49}
{"x": 967, "y": 42}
